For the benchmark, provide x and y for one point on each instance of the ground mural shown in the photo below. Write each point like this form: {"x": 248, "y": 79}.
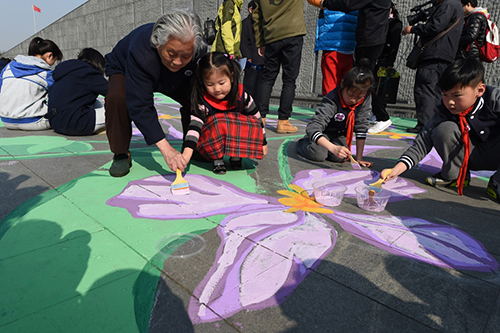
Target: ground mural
{"x": 294, "y": 226}
{"x": 299, "y": 232}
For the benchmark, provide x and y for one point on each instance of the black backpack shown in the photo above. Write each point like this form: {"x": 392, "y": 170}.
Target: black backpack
{"x": 209, "y": 31}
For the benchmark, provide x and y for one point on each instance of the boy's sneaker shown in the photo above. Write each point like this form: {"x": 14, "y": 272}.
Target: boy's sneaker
{"x": 437, "y": 180}
{"x": 493, "y": 190}
{"x": 380, "y": 126}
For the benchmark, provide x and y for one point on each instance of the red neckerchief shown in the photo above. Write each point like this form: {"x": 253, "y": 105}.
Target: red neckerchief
{"x": 350, "y": 118}
{"x": 466, "y": 141}
{"x": 221, "y": 104}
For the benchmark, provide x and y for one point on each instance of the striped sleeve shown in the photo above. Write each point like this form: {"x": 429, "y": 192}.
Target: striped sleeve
{"x": 194, "y": 130}
{"x": 250, "y": 108}
{"x": 362, "y": 122}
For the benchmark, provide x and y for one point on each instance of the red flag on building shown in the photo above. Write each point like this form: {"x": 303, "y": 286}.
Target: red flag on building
{"x": 36, "y": 9}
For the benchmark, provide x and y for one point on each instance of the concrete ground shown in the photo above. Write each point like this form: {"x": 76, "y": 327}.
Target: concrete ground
{"x": 81, "y": 251}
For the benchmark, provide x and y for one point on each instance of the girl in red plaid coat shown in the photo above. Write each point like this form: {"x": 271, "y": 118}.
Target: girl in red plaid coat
{"x": 224, "y": 118}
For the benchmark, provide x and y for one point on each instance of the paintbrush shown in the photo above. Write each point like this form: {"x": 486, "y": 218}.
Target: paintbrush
{"x": 377, "y": 186}
{"x": 355, "y": 164}
{"x": 180, "y": 186}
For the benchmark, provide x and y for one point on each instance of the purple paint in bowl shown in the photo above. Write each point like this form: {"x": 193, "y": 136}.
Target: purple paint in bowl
{"x": 329, "y": 193}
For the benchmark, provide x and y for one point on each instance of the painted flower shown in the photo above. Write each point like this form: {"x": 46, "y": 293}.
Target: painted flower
{"x": 265, "y": 252}
{"x": 299, "y": 199}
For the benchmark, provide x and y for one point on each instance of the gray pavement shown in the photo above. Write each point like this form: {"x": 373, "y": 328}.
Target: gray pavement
{"x": 440, "y": 273}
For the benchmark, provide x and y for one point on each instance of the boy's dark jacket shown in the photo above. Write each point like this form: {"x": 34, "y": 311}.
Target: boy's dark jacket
{"x": 483, "y": 121}
{"x": 71, "y": 97}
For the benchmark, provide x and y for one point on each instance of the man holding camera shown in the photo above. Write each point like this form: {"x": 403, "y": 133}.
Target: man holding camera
{"x": 437, "y": 56}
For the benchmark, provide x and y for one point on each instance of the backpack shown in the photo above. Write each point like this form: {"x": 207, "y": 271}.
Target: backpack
{"x": 209, "y": 31}
{"x": 490, "y": 50}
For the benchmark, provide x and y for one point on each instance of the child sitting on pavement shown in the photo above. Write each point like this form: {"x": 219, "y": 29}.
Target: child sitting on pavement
{"x": 224, "y": 119}
{"x": 465, "y": 130}
{"x": 73, "y": 105}
{"x": 343, "y": 111}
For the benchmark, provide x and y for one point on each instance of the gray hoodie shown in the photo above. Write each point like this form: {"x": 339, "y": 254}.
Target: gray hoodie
{"x": 24, "y": 85}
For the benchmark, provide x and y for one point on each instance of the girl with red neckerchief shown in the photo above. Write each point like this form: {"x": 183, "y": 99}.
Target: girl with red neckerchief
{"x": 343, "y": 113}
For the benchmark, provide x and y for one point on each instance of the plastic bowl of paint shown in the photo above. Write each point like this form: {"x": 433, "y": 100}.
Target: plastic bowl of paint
{"x": 180, "y": 245}
{"x": 371, "y": 200}
{"x": 329, "y": 193}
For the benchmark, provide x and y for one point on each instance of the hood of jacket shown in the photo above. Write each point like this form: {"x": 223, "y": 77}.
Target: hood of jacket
{"x": 28, "y": 65}
{"x": 74, "y": 67}
{"x": 479, "y": 10}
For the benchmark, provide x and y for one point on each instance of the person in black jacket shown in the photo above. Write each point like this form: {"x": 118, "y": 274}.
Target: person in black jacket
{"x": 387, "y": 60}
{"x": 250, "y": 51}
{"x": 4, "y": 62}
{"x": 73, "y": 108}
{"x": 436, "y": 57}
{"x": 371, "y": 34}
{"x": 159, "y": 57}
{"x": 474, "y": 31}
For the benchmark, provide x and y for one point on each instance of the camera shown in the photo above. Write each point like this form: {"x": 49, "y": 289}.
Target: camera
{"x": 422, "y": 12}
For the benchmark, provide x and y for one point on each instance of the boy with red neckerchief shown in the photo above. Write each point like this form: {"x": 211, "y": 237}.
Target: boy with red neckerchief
{"x": 465, "y": 130}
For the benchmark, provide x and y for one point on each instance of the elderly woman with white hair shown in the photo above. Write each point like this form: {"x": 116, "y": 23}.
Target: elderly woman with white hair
{"x": 159, "y": 57}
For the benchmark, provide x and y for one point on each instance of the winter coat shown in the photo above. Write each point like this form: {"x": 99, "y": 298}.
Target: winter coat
{"x": 391, "y": 47}
{"x": 139, "y": 61}
{"x": 445, "y": 48}
{"x": 24, "y": 85}
{"x": 330, "y": 118}
{"x": 483, "y": 123}
{"x": 474, "y": 30}
{"x": 372, "y": 19}
{"x": 72, "y": 96}
{"x": 274, "y": 21}
{"x": 228, "y": 28}
{"x": 247, "y": 47}
{"x": 336, "y": 31}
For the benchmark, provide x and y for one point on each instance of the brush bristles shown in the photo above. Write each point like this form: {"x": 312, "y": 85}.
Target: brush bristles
{"x": 180, "y": 189}
{"x": 374, "y": 189}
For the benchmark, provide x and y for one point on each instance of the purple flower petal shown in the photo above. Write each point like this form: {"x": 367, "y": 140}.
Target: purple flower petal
{"x": 151, "y": 198}
{"x": 436, "y": 244}
{"x": 400, "y": 188}
{"x": 264, "y": 271}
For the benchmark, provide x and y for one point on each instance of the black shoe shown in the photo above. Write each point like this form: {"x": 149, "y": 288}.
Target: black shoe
{"x": 219, "y": 167}
{"x": 416, "y": 129}
{"x": 235, "y": 163}
{"x": 437, "y": 180}
{"x": 121, "y": 165}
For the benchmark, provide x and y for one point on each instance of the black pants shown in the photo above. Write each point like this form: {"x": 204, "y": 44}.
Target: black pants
{"x": 368, "y": 56}
{"x": 426, "y": 93}
{"x": 251, "y": 81}
{"x": 285, "y": 53}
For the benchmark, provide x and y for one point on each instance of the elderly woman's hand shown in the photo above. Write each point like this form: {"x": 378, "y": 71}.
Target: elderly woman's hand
{"x": 172, "y": 157}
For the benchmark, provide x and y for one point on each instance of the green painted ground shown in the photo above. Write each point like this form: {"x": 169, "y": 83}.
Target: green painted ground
{"x": 71, "y": 263}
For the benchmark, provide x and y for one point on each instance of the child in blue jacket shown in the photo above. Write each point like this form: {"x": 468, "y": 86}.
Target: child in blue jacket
{"x": 73, "y": 105}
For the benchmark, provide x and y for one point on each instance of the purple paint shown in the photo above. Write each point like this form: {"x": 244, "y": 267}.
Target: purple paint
{"x": 265, "y": 253}
{"x": 418, "y": 239}
{"x": 400, "y": 188}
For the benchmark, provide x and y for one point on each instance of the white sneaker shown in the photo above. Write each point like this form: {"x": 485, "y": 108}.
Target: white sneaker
{"x": 380, "y": 126}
